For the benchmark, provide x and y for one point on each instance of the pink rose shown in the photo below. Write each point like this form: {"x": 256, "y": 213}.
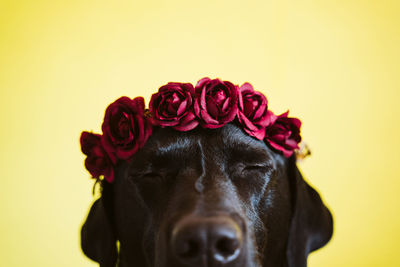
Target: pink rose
{"x": 125, "y": 128}
{"x": 172, "y": 106}
{"x": 284, "y": 134}
{"x": 97, "y": 161}
{"x": 253, "y": 111}
{"x": 215, "y": 102}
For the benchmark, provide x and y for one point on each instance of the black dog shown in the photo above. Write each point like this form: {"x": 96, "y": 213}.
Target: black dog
{"x": 206, "y": 198}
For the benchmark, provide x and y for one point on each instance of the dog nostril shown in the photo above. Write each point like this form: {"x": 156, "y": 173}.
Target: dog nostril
{"x": 226, "y": 249}
{"x": 188, "y": 243}
{"x": 188, "y": 249}
{"x": 227, "y": 246}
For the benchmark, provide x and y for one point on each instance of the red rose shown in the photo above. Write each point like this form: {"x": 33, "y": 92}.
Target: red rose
{"x": 215, "y": 102}
{"x": 253, "y": 111}
{"x": 125, "y": 128}
{"x": 97, "y": 161}
{"x": 172, "y": 106}
{"x": 284, "y": 134}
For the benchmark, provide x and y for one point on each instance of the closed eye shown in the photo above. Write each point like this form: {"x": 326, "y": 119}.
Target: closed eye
{"x": 260, "y": 168}
{"x": 251, "y": 177}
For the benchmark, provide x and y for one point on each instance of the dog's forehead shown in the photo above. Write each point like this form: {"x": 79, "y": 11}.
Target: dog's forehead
{"x": 227, "y": 139}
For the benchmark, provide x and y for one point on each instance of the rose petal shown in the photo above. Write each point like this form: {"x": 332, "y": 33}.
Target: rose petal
{"x": 260, "y": 110}
{"x": 226, "y": 105}
{"x": 246, "y": 87}
{"x": 247, "y": 123}
{"x": 187, "y": 127}
{"x": 212, "y": 107}
{"x": 207, "y": 118}
{"x": 201, "y": 82}
{"x": 182, "y": 107}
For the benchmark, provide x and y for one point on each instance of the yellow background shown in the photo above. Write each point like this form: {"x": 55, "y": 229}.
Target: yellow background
{"x": 334, "y": 64}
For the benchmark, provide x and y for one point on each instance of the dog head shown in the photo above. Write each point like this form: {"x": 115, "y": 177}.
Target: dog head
{"x": 206, "y": 198}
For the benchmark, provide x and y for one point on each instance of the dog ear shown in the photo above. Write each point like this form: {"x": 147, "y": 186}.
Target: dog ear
{"x": 312, "y": 225}
{"x": 98, "y": 240}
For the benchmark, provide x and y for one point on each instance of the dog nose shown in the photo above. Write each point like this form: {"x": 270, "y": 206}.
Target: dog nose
{"x": 197, "y": 241}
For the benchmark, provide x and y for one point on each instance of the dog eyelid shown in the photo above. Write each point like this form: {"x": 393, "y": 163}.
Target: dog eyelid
{"x": 259, "y": 167}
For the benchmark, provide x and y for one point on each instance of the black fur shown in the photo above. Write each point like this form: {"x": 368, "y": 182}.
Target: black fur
{"x": 205, "y": 173}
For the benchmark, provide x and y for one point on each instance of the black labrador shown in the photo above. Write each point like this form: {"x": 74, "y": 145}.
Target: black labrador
{"x": 206, "y": 198}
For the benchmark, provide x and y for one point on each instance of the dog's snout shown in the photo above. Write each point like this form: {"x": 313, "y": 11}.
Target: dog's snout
{"x": 198, "y": 241}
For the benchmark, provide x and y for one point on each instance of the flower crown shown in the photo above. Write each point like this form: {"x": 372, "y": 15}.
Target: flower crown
{"x": 210, "y": 104}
